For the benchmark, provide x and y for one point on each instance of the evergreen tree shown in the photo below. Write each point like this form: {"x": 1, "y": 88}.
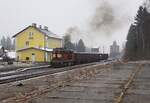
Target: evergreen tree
{"x": 8, "y": 43}
{"x": 81, "y": 46}
{"x": 67, "y": 42}
{"x": 3, "y": 42}
{"x": 131, "y": 45}
{"x": 13, "y": 45}
{"x": 138, "y": 40}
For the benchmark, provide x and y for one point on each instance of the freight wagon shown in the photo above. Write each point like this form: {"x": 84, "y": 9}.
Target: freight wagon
{"x": 63, "y": 57}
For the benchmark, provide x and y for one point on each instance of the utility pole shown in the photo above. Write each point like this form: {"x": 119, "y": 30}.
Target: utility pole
{"x": 99, "y": 49}
{"x": 103, "y": 50}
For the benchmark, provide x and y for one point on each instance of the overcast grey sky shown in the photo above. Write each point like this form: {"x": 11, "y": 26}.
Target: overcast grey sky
{"x": 59, "y": 15}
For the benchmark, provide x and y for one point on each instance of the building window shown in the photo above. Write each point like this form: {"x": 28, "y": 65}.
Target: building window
{"x": 33, "y": 54}
{"x": 31, "y": 35}
{"x": 27, "y": 43}
{"x": 27, "y": 58}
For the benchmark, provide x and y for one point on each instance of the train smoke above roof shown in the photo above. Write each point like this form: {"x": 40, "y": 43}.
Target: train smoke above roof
{"x": 105, "y": 18}
{"x": 109, "y": 21}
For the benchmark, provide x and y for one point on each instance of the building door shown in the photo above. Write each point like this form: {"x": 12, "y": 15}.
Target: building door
{"x": 33, "y": 57}
{"x": 50, "y": 56}
{"x": 19, "y": 57}
{"x": 46, "y": 56}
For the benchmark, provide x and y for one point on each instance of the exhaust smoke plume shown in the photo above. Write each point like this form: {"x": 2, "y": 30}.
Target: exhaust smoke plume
{"x": 77, "y": 34}
{"x": 105, "y": 19}
{"x": 107, "y": 22}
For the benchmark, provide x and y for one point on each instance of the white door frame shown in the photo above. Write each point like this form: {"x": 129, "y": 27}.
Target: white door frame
{"x": 33, "y": 57}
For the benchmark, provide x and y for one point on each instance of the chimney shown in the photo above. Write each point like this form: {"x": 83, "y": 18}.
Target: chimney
{"x": 34, "y": 24}
{"x": 45, "y": 28}
{"x": 40, "y": 26}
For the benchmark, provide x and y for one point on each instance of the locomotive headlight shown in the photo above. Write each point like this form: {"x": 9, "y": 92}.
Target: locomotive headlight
{"x": 59, "y": 55}
{"x": 54, "y": 55}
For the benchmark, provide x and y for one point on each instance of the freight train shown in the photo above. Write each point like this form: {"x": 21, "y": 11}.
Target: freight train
{"x": 63, "y": 57}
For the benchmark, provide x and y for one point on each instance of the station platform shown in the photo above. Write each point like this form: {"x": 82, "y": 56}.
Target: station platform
{"x": 104, "y": 87}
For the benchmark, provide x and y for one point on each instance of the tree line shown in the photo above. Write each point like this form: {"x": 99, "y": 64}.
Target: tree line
{"x": 138, "y": 39}
{"x": 68, "y": 44}
{"x": 7, "y": 43}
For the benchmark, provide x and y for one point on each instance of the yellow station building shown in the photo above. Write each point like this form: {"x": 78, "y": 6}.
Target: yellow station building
{"x": 35, "y": 44}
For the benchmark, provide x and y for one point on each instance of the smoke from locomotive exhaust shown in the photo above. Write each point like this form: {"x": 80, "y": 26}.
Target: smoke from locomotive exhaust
{"x": 76, "y": 34}
{"x": 104, "y": 19}
{"x": 73, "y": 30}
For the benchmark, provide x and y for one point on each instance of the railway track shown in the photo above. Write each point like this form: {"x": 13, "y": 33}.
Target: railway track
{"x": 36, "y": 72}
{"x": 22, "y": 70}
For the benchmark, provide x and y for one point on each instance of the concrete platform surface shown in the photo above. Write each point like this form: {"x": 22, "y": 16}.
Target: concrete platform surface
{"x": 139, "y": 92}
{"x": 101, "y": 88}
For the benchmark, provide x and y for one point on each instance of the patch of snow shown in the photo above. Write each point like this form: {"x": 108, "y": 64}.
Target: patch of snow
{"x": 46, "y": 49}
{"x": 12, "y": 54}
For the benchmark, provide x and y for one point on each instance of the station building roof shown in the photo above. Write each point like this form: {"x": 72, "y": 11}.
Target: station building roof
{"x": 44, "y": 31}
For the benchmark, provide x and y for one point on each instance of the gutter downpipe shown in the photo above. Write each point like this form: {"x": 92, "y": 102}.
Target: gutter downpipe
{"x": 44, "y": 48}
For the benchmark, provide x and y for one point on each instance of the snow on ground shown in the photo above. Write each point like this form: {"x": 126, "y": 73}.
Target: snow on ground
{"x": 12, "y": 54}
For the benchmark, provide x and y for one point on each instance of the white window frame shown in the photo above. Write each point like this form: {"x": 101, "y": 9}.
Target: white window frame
{"x": 28, "y": 43}
{"x": 31, "y": 34}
